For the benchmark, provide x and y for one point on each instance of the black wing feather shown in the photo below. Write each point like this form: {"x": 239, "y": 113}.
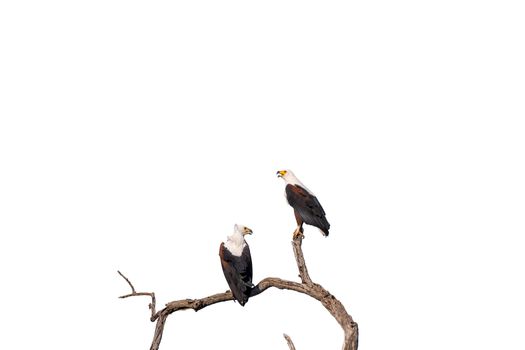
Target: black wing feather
{"x": 238, "y": 272}
{"x": 245, "y": 266}
{"x": 308, "y": 207}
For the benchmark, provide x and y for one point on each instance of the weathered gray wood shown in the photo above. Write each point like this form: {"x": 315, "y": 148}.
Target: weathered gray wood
{"x": 314, "y": 290}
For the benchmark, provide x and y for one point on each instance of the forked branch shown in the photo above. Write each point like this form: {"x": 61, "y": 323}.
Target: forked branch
{"x": 316, "y": 291}
{"x": 134, "y": 294}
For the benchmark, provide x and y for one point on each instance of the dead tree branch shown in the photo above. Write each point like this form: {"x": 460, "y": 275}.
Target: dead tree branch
{"x": 289, "y": 341}
{"x": 153, "y": 303}
{"x": 299, "y": 259}
{"x": 314, "y": 290}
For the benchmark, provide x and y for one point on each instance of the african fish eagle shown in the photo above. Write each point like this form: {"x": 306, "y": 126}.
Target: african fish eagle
{"x": 236, "y": 262}
{"x": 306, "y": 207}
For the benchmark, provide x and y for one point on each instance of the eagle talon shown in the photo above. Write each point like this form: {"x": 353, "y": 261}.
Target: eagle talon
{"x": 297, "y": 233}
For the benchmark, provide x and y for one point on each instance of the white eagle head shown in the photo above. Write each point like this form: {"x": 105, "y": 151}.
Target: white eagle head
{"x": 290, "y": 179}
{"x": 243, "y": 230}
{"x": 288, "y": 176}
{"x": 236, "y": 243}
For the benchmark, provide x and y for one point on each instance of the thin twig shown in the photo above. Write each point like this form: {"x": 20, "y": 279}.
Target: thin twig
{"x": 127, "y": 280}
{"x": 289, "y": 341}
{"x": 133, "y": 293}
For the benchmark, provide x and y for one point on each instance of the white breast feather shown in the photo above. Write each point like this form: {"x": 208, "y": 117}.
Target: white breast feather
{"x": 235, "y": 244}
{"x": 291, "y": 179}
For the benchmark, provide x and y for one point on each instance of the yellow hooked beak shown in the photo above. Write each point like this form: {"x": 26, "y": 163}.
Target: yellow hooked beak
{"x": 281, "y": 173}
{"x": 247, "y": 231}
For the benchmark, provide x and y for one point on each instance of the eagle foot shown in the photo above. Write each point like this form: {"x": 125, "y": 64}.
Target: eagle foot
{"x": 298, "y": 233}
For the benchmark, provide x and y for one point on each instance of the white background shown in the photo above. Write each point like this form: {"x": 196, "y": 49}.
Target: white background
{"x": 134, "y": 134}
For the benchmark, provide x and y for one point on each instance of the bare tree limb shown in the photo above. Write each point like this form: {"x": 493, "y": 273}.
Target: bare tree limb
{"x": 299, "y": 259}
{"x": 289, "y": 341}
{"x": 152, "y": 305}
{"x": 159, "y": 330}
{"x": 127, "y": 280}
{"x": 316, "y": 291}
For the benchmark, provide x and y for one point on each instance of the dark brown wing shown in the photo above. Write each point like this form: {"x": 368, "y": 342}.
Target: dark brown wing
{"x": 238, "y": 272}
{"x": 245, "y": 266}
{"x": 308, "y": 207}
